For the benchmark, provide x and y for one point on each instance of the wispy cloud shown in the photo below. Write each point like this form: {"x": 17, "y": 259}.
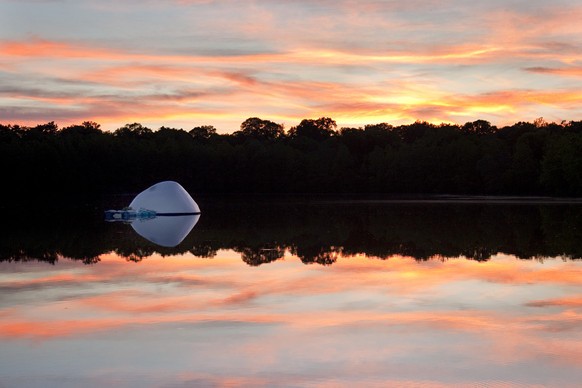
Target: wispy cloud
{"x": 573, "y": 71}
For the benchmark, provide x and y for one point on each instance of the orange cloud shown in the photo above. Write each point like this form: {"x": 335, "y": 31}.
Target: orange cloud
{"x": 575, "y": 301}
{"x": 41, "y": 48}
{"x": 565, "y": 71}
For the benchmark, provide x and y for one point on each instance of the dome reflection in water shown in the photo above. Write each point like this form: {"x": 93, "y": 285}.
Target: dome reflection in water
{"x": 166, "y": 231}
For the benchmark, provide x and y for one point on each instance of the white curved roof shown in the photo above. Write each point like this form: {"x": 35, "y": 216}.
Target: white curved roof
{"x": 165, "y": 197}
{"x": 165, "y": 231}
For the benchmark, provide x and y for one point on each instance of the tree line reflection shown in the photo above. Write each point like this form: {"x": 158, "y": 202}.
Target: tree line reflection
{"x": 315, "y": 231}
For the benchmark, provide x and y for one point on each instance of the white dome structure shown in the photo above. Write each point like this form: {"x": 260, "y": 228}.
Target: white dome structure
{"x": 165, "y": 231}
{"x": 166, "y": 198}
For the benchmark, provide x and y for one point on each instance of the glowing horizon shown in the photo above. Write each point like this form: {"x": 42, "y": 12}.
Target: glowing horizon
{"x": 189, "y": 63}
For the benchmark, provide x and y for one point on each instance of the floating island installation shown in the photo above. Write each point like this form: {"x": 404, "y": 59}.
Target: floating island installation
{"x": 164, "y": 214}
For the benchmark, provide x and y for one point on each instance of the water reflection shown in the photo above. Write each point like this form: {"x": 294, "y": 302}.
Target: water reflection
{"x": 315, "y": 232}
{"x": 166, "y": 231}
{"x": 183, "y": 321}
{"x": 382, "y": 315}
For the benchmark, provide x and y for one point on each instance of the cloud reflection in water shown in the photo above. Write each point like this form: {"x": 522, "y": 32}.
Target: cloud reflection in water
{"x": 185, "y": 320}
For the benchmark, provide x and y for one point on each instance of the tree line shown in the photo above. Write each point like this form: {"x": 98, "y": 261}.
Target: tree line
{"x": 83, "y": 161}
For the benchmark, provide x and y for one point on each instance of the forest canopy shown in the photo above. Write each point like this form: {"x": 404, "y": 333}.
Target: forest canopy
{"x": 526, "y": 158}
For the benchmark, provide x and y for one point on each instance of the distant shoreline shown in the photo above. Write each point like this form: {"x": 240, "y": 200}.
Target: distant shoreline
{"x": 501, "y": 199}
{"x": 359, "y": 198}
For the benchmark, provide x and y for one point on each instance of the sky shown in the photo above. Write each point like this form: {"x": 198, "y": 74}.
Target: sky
{"x": 185, "y": 63}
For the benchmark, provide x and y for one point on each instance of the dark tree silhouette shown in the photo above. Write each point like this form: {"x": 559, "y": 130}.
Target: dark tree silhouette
{"x": 203, "y": 132}
{"x": 135, "y": 130}
{"x": 257, "y": 128}
{"x": 85, "y": 129}
{"x": 318, "y": 129}
{"x": 49, "y": 165}
{"x": 479, "y": 127}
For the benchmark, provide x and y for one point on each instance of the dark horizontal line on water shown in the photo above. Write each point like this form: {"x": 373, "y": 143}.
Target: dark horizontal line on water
{"x": 452, "y": 199}
{"x": 176, "y": 214}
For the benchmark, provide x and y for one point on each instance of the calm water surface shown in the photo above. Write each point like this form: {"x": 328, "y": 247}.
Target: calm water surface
{"x": 298, "y": 294}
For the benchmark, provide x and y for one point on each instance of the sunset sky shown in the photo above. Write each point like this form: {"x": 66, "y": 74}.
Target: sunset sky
{"x": 185, "y": 63}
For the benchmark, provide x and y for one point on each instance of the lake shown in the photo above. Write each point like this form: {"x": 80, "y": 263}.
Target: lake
{"x": 297, "y": 292}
